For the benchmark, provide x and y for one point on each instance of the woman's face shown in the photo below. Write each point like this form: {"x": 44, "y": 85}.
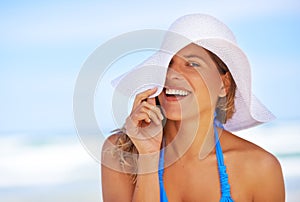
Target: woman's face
{"x": 193, "y": 84}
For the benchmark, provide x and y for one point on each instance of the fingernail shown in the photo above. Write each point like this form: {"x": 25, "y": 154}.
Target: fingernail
{"x": 161, "y": 117}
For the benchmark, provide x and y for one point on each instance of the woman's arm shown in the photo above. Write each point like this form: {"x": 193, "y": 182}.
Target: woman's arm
{"x": 144, "y": 128}
{"x": 118, "y": 186}
{"x": 270, "y": 183}
{"x": 147, "y": 184}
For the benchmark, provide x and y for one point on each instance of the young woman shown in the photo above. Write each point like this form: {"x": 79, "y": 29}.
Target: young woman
{"x": 177, "y": 146}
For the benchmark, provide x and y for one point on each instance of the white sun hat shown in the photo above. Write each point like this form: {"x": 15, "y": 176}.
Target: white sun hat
{"x": 213, "y": 35}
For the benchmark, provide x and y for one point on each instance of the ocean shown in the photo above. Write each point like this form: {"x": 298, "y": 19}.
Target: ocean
{"x": 54, "y": 166}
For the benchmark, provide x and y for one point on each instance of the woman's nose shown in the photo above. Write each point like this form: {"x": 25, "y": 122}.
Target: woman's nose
{"x": 174, "y": 73}
{"x": 174, "y": 70}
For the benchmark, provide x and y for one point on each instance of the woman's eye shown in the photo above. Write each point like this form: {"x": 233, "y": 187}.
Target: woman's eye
{"x": 194, "y": 64}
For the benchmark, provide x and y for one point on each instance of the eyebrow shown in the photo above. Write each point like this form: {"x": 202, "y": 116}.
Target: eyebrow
{"x": 193, "y": 56}
{"x": 201, "y": 60}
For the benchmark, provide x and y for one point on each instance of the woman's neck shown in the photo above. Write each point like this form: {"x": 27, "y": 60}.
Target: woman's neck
{"x": 189, "y": 138}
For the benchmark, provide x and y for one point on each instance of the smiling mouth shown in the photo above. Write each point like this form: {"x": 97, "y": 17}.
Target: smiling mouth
{"x": 176, "y": 94}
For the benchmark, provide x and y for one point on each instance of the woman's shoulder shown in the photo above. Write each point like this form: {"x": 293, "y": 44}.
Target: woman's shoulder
{"x": 257, "y": 169}
{"x": 111, "y": 140}
{"x": 114, "y": 141}
{"x": 118, "y": 152}
{"x": 257, "y": 163}
{"x": 109, "y": 151}
{"x": 249, "y": 151}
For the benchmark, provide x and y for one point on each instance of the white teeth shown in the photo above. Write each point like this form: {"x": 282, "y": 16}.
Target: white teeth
{"x": 176, "y": 92}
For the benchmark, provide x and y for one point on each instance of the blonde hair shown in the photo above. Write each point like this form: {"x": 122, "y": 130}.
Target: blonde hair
{"x": 125, "y": 148}
{"x": 126, "y": 152}
{"x": 225, "y": 106}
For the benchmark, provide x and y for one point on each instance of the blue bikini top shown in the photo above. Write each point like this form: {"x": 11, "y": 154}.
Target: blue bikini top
{"x": 225, "y": 187}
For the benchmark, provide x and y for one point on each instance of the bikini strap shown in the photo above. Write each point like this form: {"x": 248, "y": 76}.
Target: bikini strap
{"x": 225, "y": 187}
{"x": 163, "y": 194}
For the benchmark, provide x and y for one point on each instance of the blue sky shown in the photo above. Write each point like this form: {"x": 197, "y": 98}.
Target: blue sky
{"x": 44, "y": 44}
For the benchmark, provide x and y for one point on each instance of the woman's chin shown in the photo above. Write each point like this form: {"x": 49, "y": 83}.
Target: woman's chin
{"x": 182, "y": 117}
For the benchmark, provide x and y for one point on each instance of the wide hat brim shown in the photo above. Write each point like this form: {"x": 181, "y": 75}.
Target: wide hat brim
{"x": 249, "y": 111}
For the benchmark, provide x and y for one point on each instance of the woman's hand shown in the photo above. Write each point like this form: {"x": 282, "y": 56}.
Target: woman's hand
{"x": 144, "y": 126}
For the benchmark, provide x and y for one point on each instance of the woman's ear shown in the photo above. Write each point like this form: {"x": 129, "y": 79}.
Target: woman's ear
{"x": 225, "y": 84}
